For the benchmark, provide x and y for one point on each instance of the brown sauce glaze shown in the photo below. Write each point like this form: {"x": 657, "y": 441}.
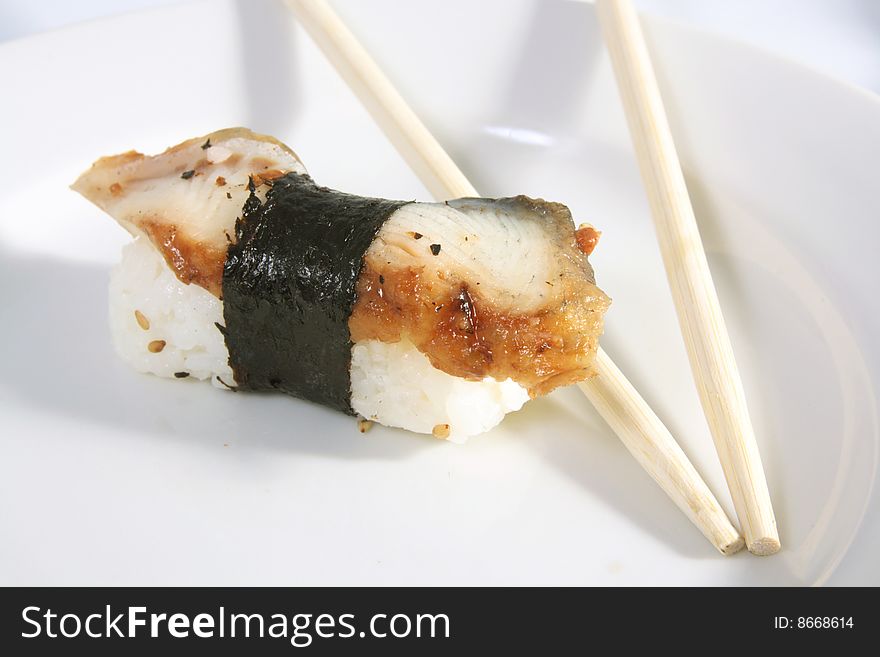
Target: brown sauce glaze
{"x": 266, "y": 176}
{"x": 191, "y": 261}
{"x": 463, "y": 335}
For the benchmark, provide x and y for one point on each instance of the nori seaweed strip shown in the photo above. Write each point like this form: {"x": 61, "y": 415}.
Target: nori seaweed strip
{"x": 289, "y": 286}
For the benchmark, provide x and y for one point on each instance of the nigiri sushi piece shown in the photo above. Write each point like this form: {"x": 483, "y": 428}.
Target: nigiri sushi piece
{"x": 434, "y": 317}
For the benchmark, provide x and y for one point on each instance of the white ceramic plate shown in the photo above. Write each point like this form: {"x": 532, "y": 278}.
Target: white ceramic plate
{"x": 111, "y": 477}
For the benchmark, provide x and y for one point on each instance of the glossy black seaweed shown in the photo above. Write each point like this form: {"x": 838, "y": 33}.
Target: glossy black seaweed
{"x": 289, "y": 286}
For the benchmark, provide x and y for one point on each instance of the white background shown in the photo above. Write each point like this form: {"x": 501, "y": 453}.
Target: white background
{"x": 839, "y": 37}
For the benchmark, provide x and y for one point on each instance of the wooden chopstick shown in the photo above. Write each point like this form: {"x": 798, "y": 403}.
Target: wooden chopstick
{"x": 699, "y": 312}
{"x": 616, "y": 400}
{"x": 655, "y": 449}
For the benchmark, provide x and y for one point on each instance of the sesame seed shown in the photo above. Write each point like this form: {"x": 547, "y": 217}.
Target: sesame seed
{"x": 142, "y": 320}
{"x": 156, "y": 346}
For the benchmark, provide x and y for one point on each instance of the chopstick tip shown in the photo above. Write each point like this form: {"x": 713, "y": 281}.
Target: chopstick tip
{"x": 765, "y": 546}
{"x": 733, "y": 547}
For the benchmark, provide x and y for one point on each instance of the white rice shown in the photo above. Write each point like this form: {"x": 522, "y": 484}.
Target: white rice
{"x": 393, "y": 384}
{"x": 396, "y": 385}
{"x": 182, "y": 315}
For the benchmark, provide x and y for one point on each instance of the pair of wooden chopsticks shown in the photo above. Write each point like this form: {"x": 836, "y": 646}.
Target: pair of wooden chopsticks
{"x": 696, "y": 302}
{"x": 706, "y": 339}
